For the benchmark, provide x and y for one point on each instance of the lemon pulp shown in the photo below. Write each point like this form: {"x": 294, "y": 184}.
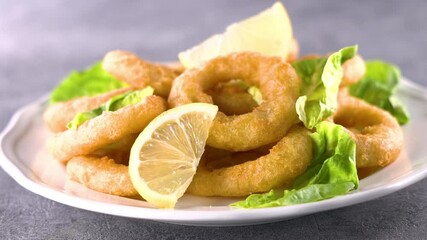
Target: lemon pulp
{"x": 165, "y": 156}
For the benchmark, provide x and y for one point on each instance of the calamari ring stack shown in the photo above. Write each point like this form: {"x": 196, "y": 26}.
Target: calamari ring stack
{"x": 286, "y": 160}
{"x": 105, "y": 129}
{"x": 102, "y": 175}
{"x": 268, "y": 122}
{"x": 138, "y": 73}
{"x": 377, "y": 134}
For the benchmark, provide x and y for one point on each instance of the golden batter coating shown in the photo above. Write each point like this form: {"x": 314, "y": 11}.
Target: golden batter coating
{"x": 105, "y": 129}
{"x": 57, "y": 116}
{"x": 101, "y": 174}
{"x": 139, "y": 73}
{"x": 285, "y": 161}
{"x": 377, "y": 134}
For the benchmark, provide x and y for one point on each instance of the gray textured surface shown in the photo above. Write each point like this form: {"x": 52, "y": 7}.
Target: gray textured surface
{"x": 40, "y": 42}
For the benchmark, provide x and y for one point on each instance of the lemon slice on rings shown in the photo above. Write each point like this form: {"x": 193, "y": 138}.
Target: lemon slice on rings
{"x": 165, "y": 156}
{"x": 269, "y": 32}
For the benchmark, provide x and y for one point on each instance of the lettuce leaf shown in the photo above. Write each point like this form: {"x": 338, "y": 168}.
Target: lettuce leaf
{"x": 331, "y": 173}
{"x": 89, "y": 82}
{"x": 256, "y": 94}
{"x": 114, "y": 104}
{"x": 378, "y": 86}
{"x": 321, "y": 78}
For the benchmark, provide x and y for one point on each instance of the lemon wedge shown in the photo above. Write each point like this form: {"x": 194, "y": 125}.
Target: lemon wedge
{"x": 269, "y": 33}
{"x": 165, "y": 156}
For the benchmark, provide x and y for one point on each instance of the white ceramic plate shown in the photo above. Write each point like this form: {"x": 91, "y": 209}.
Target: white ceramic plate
{"x": 24, "y": 157}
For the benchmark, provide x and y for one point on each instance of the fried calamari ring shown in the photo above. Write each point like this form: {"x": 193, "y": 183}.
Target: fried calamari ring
{"x": 105, "y": 129}
{"x": 268, "y": 122}
{"x": 102, "y": 175}
{"x": 58, "y": 115}
{"x": 138, "y": 73}
{"x": 353, "y": 70}
{"x": 377, "y": 134}
{"x": 288, "y": 159}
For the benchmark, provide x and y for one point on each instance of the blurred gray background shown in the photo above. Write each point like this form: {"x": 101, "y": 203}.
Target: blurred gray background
{"x": 42, "y": 41}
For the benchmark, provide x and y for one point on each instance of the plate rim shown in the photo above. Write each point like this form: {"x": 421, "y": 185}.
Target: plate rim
{"x": 212, "y": 217}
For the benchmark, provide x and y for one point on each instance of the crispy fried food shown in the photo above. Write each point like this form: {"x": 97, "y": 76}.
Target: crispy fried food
{"x": 285, "y": 161}
{"x": 268, "y": 122}
{"x": 353, "y": 70}
{"x": 58, "y": 115}
{"x": 138, "y": 73}
{"x": 102, "y": 175}
{"x": 377, "y": 134}
{"x": 105, "y": 129}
